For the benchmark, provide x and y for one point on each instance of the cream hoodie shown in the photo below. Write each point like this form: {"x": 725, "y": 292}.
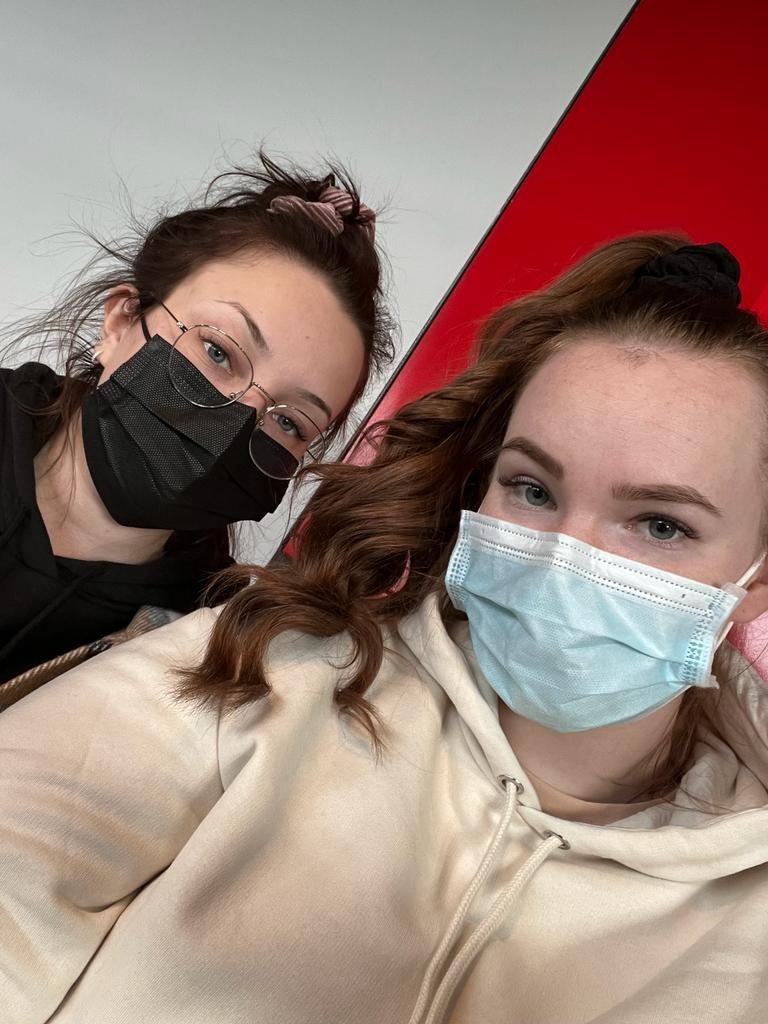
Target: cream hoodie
{"x": 164, "y": 865}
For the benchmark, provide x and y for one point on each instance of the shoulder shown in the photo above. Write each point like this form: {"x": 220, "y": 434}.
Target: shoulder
{"x": 24, "y": 393}
{"x": 138, "y": 677}
{"x": 305, "y": 673}
{"x": 300, "y": 720}
{"x": 118, "y": 718}
{"x": 32, "y": 385}
{"x": 159, "y": 655}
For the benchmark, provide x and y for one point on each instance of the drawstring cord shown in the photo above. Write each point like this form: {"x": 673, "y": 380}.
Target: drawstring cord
{"x": 512, "y": 789}
{"x": 485, "y": 929}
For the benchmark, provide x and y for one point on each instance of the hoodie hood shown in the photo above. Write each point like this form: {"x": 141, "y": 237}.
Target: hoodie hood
{"x": 717, "y": 824}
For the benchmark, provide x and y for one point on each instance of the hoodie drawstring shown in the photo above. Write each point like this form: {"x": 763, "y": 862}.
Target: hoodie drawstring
{"x": 512, "y": 789}
{"x": 488, "y": 924}
{"x": 486, "y": 928}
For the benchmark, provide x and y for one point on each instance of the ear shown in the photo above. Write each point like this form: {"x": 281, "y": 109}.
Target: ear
{"x": 120, "y": 311}
{"x": 756, "y": 601}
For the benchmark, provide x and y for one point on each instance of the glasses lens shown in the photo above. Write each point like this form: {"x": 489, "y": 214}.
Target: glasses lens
{"x": 284, "y": 441}
{"x": 218, "y": 358}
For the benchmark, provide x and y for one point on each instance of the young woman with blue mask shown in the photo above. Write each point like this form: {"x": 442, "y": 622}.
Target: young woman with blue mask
{"x": 480, "y": 753}
{"x": 204, "y": 361}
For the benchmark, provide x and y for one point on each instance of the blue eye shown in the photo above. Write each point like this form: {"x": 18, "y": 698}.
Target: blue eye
{"x": 286, "y": 423}
{"x": 527, "y": 491}
{"x": 215, "y": 353}
{"x": 663, "y": 530}
{"x": 535, "y": 495}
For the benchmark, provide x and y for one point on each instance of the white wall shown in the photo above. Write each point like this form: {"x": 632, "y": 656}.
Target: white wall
{"x": 437, "y": 106}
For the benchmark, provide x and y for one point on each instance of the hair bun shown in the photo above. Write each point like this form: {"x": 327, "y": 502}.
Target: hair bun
{"x": 702, "y": 268}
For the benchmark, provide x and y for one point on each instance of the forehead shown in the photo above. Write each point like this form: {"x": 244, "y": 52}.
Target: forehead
{"x": 280, "y": 290}
{"x": 651, "y": 414}
{"x": 248, "y": 271}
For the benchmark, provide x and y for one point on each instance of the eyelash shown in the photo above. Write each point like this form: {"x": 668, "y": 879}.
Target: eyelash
{"x": 686, "y": 531}
{"x": 518, "y": 481}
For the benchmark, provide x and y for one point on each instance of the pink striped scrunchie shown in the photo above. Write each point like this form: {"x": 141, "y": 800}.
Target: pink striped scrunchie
{"x": 329, "y": 210}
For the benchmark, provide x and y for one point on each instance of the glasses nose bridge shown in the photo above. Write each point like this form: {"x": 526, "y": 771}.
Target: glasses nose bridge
{"x": 265, "y": 400}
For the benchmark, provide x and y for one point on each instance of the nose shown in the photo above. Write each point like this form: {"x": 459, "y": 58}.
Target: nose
{"x": 586, "y": 529}
{"x": 256, "y": 397}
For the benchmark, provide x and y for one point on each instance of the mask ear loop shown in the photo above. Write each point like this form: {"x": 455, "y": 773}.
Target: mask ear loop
{"x": 746, "y": 579}
{"x": 739, "y": 589}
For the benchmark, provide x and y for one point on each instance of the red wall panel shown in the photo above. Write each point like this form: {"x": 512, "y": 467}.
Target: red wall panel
{"x": 667, "y": 133}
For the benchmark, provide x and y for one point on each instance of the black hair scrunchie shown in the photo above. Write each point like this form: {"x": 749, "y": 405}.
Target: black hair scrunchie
{"x": 702, "y": 268}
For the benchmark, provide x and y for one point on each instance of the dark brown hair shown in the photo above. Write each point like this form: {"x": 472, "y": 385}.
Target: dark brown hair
{"x": 232, "y": 217}
{"x": 377, "y": 538}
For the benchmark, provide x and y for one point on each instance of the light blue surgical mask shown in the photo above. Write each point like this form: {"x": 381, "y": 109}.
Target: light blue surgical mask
{"x": 573, "y": 637}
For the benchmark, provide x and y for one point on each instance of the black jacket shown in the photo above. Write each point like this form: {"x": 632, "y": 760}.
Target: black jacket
{"x": 48, "y": 604}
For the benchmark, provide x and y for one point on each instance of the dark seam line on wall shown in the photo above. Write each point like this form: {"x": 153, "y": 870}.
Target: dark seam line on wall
{"x": 352, "y": 442}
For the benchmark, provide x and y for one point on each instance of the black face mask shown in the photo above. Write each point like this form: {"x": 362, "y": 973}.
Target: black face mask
{"x": 159, "y": 462}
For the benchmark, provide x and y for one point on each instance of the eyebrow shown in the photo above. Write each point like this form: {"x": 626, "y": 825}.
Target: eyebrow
{"x": 678, "y": 493}
{"x": 256, "y": 336}
{"x": 261, "y": 344}
{"x": 532, "y": 450}
{"x": 310, "y": 396}
{"x": 664, "y": 492}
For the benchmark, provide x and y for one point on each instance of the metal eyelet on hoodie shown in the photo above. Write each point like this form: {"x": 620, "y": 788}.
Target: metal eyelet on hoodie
{"x": 504, "y": 779}
{"x": 564, "y": 844}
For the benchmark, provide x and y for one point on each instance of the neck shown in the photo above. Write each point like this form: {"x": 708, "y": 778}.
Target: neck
{"x": 591, "y": 775}
{"x": 77, "y": 523}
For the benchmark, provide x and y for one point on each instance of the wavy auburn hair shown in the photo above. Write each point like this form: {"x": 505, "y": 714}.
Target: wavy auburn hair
{"x": 377, "y": 538}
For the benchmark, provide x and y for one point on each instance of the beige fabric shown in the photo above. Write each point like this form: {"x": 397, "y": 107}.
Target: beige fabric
{"x": 161, "y": 865}
{"x": 146, "y": 618}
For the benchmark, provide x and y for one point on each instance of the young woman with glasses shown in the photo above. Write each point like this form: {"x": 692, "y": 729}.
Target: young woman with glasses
{"x": 214, "y": 356}
{"x": 482, "y": 752}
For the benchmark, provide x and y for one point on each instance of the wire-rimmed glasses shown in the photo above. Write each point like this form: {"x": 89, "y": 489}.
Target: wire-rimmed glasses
{"x": 284, "y": 437}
